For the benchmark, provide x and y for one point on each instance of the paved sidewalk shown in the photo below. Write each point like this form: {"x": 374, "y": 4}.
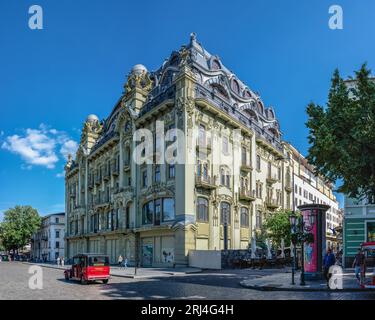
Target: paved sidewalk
{"x": 130, "y": 272}
{"x": 282, "y": 281}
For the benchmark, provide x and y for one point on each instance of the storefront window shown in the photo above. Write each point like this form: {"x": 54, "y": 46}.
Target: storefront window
{"x": 157, "y": 211}
{"x": 370, "y": 231}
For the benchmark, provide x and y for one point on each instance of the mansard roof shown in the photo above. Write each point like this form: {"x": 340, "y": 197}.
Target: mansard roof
{"x": 214, "y": 82}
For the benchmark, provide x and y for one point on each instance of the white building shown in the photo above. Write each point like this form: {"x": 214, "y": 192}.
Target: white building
{"x": 48, "y": 242}
{"x": 310, "y": 188}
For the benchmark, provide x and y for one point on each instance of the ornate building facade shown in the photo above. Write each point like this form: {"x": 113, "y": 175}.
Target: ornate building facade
{"x": 235, "y": 169}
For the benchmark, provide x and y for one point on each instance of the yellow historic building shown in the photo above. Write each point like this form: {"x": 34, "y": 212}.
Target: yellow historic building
{"x": 235, "y": 169}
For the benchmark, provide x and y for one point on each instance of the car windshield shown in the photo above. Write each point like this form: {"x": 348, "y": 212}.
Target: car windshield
{"x": 98, "y": 261}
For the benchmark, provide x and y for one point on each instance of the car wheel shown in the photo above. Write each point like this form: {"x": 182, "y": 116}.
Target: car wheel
{"x": 83, "y": 281}
{"x": 66, "y": 276}
{"x": 105, "y": 281}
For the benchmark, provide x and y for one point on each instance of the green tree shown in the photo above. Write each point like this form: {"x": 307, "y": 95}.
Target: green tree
{"x": 277, "y": 227}
{"x": 342, "y": 135}
{"x": 18, "y": 225}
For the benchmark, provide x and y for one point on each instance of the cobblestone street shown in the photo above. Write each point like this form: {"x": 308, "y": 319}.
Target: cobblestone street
{"x": 14, "y": 279}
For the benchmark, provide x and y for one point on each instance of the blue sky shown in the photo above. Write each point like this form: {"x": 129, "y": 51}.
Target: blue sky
{"x": 51, "y": 79}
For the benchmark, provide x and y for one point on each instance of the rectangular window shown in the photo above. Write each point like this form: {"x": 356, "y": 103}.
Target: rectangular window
{"x": 57, "y": 220}
{"x": 127, "y": 217}
{"x": 228, "y": 181}
{"x": 57, "y": 234}
{"x": 258, "y": 221}
{"x": 57, "y": 244}
{"x": 147, "y": 213}
{"x": 243, "y": 155}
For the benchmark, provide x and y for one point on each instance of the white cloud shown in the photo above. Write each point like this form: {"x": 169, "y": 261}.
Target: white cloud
{"x": 68, "y": 147}
{"x": 39, "y": 146}
{"x": 60, "y": 174}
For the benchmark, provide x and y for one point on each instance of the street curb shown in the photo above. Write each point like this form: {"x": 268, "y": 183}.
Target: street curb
{"x": 301, "y": 289}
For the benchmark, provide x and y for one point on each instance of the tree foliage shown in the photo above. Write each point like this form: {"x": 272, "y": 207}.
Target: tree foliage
{"x": 18, "y": 225}
{"x": 277, "y": 226}
{"x": 342, "y": 135}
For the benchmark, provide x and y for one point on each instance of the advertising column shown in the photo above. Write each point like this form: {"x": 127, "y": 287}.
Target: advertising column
{"x": 314, "y": 252}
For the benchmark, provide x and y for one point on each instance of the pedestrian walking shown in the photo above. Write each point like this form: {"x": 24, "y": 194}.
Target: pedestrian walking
{"x": 359, "y": 265}
{"x": 120, "y": 260}
{"x": 126, "y": 262}
{"x": 62, "y": 261}
{"x": 58, "y": 261}
{"x": 328, "y": 261}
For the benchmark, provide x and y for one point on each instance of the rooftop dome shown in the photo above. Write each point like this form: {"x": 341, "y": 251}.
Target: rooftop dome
{"x": 92, "y": 117}
{"x": 138, "y": 69}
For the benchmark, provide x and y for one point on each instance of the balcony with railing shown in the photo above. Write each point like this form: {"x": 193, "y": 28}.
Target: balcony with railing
{"x": 205, "y": 181}
{"x": 271, "y": 178}
{"x": 272, "y": 203}
{"x": 245, "y": 166}
{"x": 246, "y": 194}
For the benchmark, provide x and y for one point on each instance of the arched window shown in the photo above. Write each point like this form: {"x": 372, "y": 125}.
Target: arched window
{"x": 205, "y": 171}
{"x": 235, "y": 86}
{"x": 202, "y": 209}
{"x": 199, "y": 169}
{"x": 247, "y": 94}
{"x": 244, "y": 217}
{"x": 261, "y": 108}
{"x": 215, "y": 65}
{"x": 222, "y": 176}
{"x": 225, "y": 216}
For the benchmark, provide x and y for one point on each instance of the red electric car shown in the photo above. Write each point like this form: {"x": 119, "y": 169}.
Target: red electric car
{"x": 88, "y": 267}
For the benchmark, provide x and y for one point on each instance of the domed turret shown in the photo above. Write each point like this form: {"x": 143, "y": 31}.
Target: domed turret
{"x": 92, "y": 118}
{"x": 138, "y": 69}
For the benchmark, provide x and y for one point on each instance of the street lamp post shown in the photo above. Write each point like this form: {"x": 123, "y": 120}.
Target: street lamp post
{"x": 292, "y": 219}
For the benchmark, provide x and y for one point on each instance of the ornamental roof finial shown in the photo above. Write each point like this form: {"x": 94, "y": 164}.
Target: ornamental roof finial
{"x": 193, "y": 37}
